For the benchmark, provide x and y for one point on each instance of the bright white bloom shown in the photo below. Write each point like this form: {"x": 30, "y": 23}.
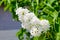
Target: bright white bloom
{"x": 31, "y": 22}
{"x": 26, "y": 26}
{"x": 36, "y": 31}
{"x": 28, "y": 17}
{"x": 35, "y": 21}
{"x": 21, "y": 12}
{"x": 23, "y": 26}
{"x": 45, "y": 25}
{"x": 27, "y": 21}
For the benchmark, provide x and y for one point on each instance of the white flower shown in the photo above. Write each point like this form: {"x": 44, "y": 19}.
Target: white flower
{"x": 21, "y": 12}
{"x": 27, "y": 21}
{"x": 45, "y": 25}
{"x": 36, "y": 31}
{"x": 35, "y": 21}
{"x": 28, "y": 17}
{"x": 26, "y": 26}
{"x": 23, "y": 26}
{"x": 31, "y": 23}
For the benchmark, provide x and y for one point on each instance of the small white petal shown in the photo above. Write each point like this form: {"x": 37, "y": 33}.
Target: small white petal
{"x": 36, "y": 31}
{"x": 45, "y": 25}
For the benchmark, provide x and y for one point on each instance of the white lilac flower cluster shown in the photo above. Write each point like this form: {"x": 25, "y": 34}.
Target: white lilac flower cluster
{"x": 31, "y": 23}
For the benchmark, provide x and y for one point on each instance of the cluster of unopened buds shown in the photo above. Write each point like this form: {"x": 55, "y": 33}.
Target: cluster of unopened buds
{"x": 31, "y": 23}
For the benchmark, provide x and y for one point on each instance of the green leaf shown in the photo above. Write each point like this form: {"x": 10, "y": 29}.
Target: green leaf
{"x": 58, "y": 36}
{"x": 1, "y": 3}
{"x": 20, "y": 33}
{"x": 6, "y": 7}
{"x": 35, "y": 38}
{"x": 55, "y": 15}
{"x": 51, "y": 1}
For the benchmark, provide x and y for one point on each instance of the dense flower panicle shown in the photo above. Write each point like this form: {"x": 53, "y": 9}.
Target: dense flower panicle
{"x": 31, "y": 23}
{"x": 27, "y": 21}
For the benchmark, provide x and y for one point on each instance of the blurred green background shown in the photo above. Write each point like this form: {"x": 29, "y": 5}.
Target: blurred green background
{"x": 43, "y": 9}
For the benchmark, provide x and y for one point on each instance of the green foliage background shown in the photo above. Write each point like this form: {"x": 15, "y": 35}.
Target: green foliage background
{"x": 43, "y": 9}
